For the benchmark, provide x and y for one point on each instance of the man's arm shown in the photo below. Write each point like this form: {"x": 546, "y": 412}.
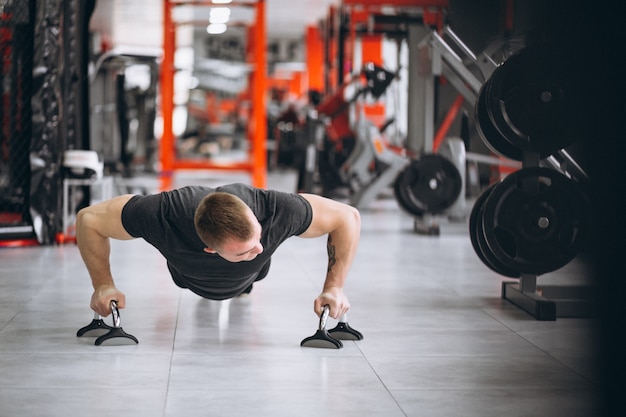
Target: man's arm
{"x": 342, "y": 223}
{"x": 94, "y": 226}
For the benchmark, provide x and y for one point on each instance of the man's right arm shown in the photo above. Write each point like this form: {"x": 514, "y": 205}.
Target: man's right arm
{"x": 94, "y": 226}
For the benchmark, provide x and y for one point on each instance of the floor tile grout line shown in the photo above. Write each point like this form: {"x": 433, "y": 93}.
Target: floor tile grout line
{"x": 381, "y": 380}
{"x": 169, "y": 371}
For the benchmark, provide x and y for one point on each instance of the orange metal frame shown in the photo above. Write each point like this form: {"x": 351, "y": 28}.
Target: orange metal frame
{"x": 256, "y": 163}
{"x": 315, "y": 59}
{"x": 447, "y": 121}
{"x": 432, "y": 13}
{"x": 360, "y": 11}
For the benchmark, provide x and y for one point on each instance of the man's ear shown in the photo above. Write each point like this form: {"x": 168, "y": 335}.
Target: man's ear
{"x": 209, "y": 250}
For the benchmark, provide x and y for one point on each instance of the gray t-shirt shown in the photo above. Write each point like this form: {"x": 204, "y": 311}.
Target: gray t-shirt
{"x": 165, "y": 220}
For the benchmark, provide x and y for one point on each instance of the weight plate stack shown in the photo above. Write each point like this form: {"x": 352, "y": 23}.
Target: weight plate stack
{"x": 534, "y": 221}
{"x": 478, "y": 238}
{"x": 490, "y": 135}
{"x": 531, "y": 103}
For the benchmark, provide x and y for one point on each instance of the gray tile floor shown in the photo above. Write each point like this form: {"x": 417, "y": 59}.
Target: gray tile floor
{"x": 439, "y": 340}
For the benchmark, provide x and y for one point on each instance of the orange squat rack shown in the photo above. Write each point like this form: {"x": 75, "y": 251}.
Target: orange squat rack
{"x": 256, "y": 162}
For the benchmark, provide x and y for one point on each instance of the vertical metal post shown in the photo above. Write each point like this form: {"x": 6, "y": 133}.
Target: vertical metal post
{"x": 167, "y": 97}
{"x": 259, "y": 135}
{"x": 315, "y": 59}
{"x": 420, "y": 113}
{"x": 528, "y": 283}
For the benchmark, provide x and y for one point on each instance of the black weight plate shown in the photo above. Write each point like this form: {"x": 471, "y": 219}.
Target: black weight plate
{"x": 400, "y": 192}
{"x": 490, "y": 135}
{"x": 430, "y": 184}
{"x": 478, "y": 239}
{"x": 532, "y": 100}
{"x": 535, "y": 219}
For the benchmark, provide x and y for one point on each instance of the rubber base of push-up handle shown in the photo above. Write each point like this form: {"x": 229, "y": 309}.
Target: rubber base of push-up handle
{"x": 343, "y": 331}
{"x": 116, "y": 337}
{"x": 321, "y": 339}
{"x": 96, "y": 328}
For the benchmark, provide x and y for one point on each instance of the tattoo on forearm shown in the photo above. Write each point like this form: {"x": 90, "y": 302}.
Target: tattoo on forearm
{"x": 331, "y": 253}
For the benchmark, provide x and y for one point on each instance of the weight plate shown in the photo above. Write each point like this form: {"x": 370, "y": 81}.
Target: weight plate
{"x": 478, "y": 239}
{"x": 400, "y": 192}
{"x": 532, "y": 100}
{"x": 430, "y": 184}
{"x": 535, "y": 219}
{"x": 490, "y": 135}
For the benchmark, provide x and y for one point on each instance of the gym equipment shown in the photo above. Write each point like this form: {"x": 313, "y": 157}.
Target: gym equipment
{"x": 343, "y": 331}
{"x": 563, "y": 162}
{"x": 534, "y": 220}
{"x": 82, "y": 164}
{"x": 490, "y": 135}
{"x": 321, "y": 338}
{"x": 442, "y": 53}
{"x": 478, "y": 238}
{"x": 531, "y": 104}
{"x": 96, "y": 328}
{"x": 429, "y": 184}
{"x": 377, "y": 78}
{"x": 19, "y": 162}
{"x": 107, "y": 335}
{"x": 371, "y": 165}
{"x": 449, "y": 57}
{"x": 454, "y": 150}
{"x": 338, "y": 140}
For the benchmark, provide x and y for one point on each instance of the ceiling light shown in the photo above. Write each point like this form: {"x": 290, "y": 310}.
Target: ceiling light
{"x": 219, "y": 15}
{"x": 221, "y": 1}
{"x": 216, "y": 28}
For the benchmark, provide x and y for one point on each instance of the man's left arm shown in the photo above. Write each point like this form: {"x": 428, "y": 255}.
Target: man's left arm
{"x": 342, "y": 224}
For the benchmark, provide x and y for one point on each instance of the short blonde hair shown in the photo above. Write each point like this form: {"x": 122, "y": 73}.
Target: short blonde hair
{"x": 222, "y": 216}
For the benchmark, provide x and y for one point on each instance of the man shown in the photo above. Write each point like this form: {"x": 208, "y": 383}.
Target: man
{"x": 218, "y": 241}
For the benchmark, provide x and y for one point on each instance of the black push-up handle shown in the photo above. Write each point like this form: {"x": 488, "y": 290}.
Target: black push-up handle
{"x": 343, "y": 331}
{"x": 96, "y": 328}
{"x": 333, "y": 337}
{"x": 107, "y": 335}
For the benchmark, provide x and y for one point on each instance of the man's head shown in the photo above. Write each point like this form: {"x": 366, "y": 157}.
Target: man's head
{"x": 228, "y": 227}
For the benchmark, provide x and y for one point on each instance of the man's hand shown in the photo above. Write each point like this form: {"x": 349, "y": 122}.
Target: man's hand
{"x": 335, "y": 299}
{"x": 101, "y": 299}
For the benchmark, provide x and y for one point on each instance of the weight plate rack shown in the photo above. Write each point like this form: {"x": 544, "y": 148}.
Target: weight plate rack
{"x": 535, "y": 220}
